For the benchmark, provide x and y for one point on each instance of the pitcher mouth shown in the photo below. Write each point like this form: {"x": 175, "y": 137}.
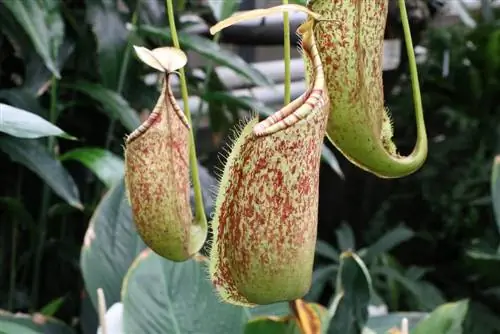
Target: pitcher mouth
{"x": 312, "y": 99}
{"x": 166, "y": 100}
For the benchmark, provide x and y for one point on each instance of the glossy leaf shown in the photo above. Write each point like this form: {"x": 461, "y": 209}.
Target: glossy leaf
{"x": 22, "y": 98}
{"x": 110, "y": 246}
{"x": 223, "y": 9}
{"x": 446, "y": 319}
{"x": 51, "y": 308}
{"x": 24, "y": 124}
{"x": 107, "y": 166}
{"x": 269, "y": 325}
{"x": 31, "y": 324}
{"x": 210, "y": 50}
{"x": 34, "y": 156}
{"x": 43, "y": 23}
{"x": 387, "y": 242}
{"x": 172, "y": 297}
{"x": 111, "y": 35}
{"x": 345, "y": 238}
{"x": 482, "y": 262}
{"x": 112, "y": 103}
{"x": 416, "y": 289}
{"x": 349, "y": 309}
{"x": 495, "y": 189}
{"x": 327, "y": 251}
{"x": 384, "y": 323}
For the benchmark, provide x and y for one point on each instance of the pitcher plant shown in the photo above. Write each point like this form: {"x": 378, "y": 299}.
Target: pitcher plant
{"x": 157, "y": 168}
{"x": 266, "y": 210}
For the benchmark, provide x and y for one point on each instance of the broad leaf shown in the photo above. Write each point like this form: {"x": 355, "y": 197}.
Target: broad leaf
{"x": 113, "y": 104}
{"x": 210, "y": 50}
{"x": 111, "y": 35}
{"x": 349, "y": 309}
{"x": 223, "y": 9}
{"x": 345, "y": 238}
{"x": 43, "y": 23}
{"x": 24, "y": 124}
{"x": 417, "y": 289}
{"x": 34, "y": 156}
{"x": 385, "y": 323}
{"x": 495, "y": 189}
{"x": 327, "y": 251}
{"x": 387, "y": 242}
{"x": 175, "y": 297}
{"x": 446, "y": 319}
{"x": 22, "y": 98}
{"x": 111, "y": 244}
{"x": 107, "y": 166}
{"x": 31, "y": 324}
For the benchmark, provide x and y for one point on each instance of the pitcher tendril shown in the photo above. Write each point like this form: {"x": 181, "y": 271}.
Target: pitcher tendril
{"x": 350, "y": 38}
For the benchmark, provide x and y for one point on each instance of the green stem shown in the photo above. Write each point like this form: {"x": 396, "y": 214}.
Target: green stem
{"x": 286, "y": 51}
{"x": 123, "y": 75}
{"x": 200, "y": 217}
{"x": 412, "y": 63}
{"x": 13, "y": 251}
{"x": 46, "y": 194}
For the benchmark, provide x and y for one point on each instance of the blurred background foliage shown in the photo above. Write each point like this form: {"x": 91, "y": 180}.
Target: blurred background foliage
{"x": 426, "y": 239}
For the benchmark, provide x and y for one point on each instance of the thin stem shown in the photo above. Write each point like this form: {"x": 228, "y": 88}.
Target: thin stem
{"x": 13, "y": 249}
{"x": 286, "y": 51}
{"x": 123, "y": 75}
{"x": 46, "y": 194}
{"x": 200, "y": 217}
{"x": 412, "y": 63}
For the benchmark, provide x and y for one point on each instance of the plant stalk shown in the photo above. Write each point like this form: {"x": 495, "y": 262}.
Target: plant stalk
{"x": 200, "y": 217}
{"x": 46, "y": 194}
{"x": 412, "y": 63}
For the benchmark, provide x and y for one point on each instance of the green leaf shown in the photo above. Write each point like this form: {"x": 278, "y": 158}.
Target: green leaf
{"x": 51, "y": 308}
{"x": 327, "y": 251}
{"x": 43, "y": 23}
{"x": 26, "y": 324}
{"x": 110, "y": 246}
{"x": 111, "y": 35}
{"x": 384, "y": 323}
{"x": 426, "y": 297}
{"x": 211, "y": 50}
{"x": 22, "y": 98}
{"x": 266, "y": 325}
{"x": 321, "y": 276}
{"x": 113, "y": 104}
{"x": 24, "y": 124}
{"x": 495, "y": 189}
{"x": 482, "y": 263}
{"x": 175, "y": 297}
{"x": 345, "y": 238}
{"x": 35, "y": 157}
{"x": 223, "y": 9}
{"x": 349, "y": 309}
{"x": 250, "y": 104}
{"x": 329, "y": 157}
{"x": 446, "y": 319}
{"x": 387, "y": 242}
{"x": 107, "y": 166}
